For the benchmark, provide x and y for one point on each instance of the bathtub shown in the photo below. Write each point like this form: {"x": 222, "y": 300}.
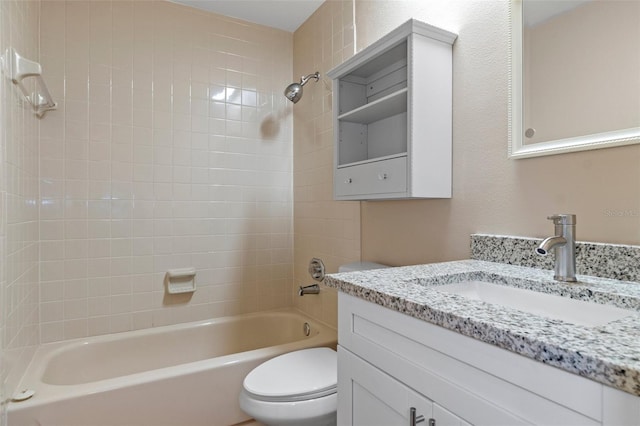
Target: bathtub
{"x": 181, "y": 375}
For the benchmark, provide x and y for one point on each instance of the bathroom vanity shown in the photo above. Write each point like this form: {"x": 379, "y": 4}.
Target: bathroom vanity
{"x": 410, "y": 347}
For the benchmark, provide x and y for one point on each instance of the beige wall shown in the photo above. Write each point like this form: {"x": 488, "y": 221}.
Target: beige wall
{"x": 171, "y": 148}
{"x": 582, "y": 71}
{"x": 18, "y": 203}
{"x": 326, "y": 229}
{"x": 492, "y": 194}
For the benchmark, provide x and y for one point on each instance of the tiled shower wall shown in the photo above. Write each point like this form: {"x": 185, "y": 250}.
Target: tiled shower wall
{"x": 18, "y": 203}
{"x": 172, "y": 147}
{"x": 324, "y": 228}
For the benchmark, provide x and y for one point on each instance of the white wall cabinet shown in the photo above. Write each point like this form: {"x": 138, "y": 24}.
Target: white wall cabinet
{"x": 392, "y": 106}
{"x": 389, "y": 362}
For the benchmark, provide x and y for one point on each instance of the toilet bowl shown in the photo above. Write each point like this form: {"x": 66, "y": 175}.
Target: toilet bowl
{"x": 297, "y": 389}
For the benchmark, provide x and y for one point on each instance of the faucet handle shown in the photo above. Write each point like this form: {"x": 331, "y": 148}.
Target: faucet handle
{"x": 563, "y": 219}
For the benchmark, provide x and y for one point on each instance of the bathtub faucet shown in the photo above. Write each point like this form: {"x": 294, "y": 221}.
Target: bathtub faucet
{"x": 309, "y": 289}
{"x": 564, "y": 245}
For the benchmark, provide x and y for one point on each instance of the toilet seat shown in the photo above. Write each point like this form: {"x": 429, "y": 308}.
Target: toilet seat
{"x": 295, "y": 376}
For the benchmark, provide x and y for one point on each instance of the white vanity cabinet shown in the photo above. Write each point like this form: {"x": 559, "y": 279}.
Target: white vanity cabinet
{"x": 372, "y": 397}
{"x": 389, "y": 362}
{"x": 392, "y": 107}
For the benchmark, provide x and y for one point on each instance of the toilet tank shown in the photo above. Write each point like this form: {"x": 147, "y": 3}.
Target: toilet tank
{"x": 360, "y": 266}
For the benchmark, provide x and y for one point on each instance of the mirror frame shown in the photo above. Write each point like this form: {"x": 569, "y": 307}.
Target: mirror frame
{"x": 517, "y": 147}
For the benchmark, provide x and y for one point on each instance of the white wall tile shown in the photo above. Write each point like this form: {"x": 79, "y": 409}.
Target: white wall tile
{"x": 19, "y": 229}
{"x": 131, "y": 171}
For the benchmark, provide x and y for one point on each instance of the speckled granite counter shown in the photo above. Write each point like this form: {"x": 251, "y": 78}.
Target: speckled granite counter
{"x": 609, "y": 354}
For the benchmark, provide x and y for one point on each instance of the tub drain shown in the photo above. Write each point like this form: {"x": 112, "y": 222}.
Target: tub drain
{"x": 307, "y": 329}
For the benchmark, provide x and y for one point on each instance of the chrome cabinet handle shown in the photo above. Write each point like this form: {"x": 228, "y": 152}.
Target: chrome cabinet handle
{"x": 414, "y": 419}
{"x": 382, "y": 176}
{"x": 348, "y": 180}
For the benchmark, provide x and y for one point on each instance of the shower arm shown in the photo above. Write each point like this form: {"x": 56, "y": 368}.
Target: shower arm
{"x": 305, "y": 79}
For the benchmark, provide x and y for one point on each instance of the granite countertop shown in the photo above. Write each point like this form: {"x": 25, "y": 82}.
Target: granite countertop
{"x": 609, "y": 354}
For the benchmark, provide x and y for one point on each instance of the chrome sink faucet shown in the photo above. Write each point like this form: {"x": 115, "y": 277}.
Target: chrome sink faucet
{"x": 564, "y": 246}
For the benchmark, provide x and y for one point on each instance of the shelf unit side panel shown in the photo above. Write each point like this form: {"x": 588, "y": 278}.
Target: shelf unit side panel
{"x": 335, "y": 103}
{"x": 430, "y": 117}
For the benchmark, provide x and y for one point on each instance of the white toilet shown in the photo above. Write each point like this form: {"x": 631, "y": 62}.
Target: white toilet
{"x": 297, "y": 388}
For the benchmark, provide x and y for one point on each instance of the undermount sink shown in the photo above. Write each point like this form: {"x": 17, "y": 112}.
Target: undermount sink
{"x": 542, "y": 304}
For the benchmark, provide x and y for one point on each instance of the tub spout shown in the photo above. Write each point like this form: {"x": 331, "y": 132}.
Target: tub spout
{"x": 310, "y": 289}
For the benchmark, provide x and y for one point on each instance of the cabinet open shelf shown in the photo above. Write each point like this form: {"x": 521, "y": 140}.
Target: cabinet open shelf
{"x": 393, "y": 104}
{"x": 373, "y": 160}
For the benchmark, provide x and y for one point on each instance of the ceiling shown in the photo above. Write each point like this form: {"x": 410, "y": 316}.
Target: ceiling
{"x": 286, "y": 15}
{"x": 538, "y": 11}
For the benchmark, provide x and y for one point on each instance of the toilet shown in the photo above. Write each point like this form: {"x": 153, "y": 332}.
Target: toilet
{"x": 298, "y": 388}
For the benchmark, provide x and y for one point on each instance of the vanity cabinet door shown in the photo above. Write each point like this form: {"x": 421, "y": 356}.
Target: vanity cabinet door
{"x": 446, "y": 418}
{"x": 370, "y": 397}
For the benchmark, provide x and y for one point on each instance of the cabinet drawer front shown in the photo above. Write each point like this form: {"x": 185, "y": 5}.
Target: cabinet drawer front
{"x": 380, "y": 177}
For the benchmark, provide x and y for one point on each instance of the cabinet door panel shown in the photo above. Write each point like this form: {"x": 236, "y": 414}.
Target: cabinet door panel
{"x": 446, "y": 418}
{"x": 369, "y": 409}
{"x": 369, "y": 397}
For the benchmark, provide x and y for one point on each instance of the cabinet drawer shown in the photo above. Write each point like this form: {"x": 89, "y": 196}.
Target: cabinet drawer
{"x": 379, "y": 177}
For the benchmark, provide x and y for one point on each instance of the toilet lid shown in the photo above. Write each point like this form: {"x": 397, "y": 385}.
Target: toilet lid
{"x": 305, "y": 374}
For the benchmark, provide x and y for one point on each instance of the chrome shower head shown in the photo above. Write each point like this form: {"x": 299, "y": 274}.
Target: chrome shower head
{"x": 293, "y": 92}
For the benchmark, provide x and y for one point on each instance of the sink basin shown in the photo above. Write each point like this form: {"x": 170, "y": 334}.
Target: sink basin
{"x": 546, "y": 305}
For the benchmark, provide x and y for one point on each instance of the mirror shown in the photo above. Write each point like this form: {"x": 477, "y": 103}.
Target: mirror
{"x": 575, "y": 76}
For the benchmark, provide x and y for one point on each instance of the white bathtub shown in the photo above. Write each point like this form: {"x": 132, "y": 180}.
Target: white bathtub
{"x": 182, "y": 375}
